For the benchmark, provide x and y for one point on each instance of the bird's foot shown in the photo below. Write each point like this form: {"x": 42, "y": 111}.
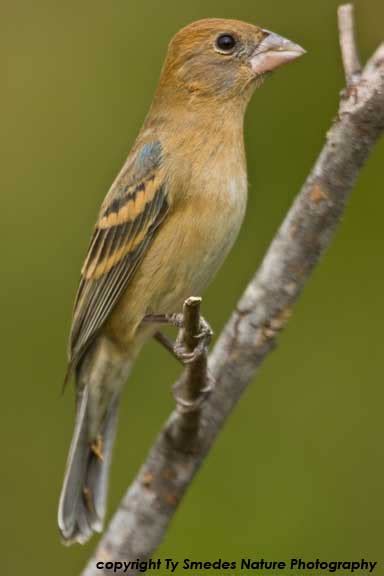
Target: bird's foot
{"x": 203, "y": 340}
{"x": 178, "y": 349}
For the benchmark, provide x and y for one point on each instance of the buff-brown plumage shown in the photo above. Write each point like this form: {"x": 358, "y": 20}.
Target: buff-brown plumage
{"x": 166, "y": 225}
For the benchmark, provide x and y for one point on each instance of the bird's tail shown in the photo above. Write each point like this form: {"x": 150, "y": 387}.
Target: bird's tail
{"x": 83, "y": 496}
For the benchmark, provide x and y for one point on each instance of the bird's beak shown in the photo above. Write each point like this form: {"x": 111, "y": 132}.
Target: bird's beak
{"x": 274, "y": 51}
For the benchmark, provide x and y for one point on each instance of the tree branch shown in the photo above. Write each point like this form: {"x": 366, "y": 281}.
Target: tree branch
{"x": 142, "y": 519}
{"x": 349, "y": 51}
{"x": 192, "y": 387}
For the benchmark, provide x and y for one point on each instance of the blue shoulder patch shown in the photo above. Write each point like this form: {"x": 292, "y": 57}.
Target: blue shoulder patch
{"x": 149, "y": 157}
{"x": 142, "y": 165}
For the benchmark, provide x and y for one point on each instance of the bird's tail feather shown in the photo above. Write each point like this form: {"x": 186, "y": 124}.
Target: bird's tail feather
{"x": 83, "y": 496}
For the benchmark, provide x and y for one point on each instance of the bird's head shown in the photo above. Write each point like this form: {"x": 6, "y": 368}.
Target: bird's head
{"x": 224, "y": 58}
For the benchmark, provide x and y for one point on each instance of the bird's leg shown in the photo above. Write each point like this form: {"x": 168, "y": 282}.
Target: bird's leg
{"x": 178, "y": 349}
{"x": 167, "y": 319}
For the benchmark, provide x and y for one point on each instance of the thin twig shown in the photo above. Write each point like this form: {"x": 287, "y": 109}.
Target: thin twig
{"x": 142, "y": 519}
{"x": 165, "y": 342}
{"x": 348, "y": 46}
{"x": 190, "y": 389}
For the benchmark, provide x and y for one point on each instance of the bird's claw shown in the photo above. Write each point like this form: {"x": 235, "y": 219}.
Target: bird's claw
{"x": 187, "y": 357}
{"x": 181, "y": 354}
{"x": 203, "y": 340}
{"x": 205, "y": 335}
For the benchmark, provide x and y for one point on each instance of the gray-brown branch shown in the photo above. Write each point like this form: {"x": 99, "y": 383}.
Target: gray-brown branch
{"x": 190, "y": 389}
{"x": 348, "y": 46}
{"x": 142, "y": 519}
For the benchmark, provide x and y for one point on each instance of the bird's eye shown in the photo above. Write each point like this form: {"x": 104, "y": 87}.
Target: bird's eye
{"x": 225, "y": 43}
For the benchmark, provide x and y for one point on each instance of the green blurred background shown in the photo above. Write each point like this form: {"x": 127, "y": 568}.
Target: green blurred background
{"x": 298, "y": 470}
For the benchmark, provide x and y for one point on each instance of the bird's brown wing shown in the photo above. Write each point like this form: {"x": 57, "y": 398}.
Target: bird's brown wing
{"x": 130, "y": 215}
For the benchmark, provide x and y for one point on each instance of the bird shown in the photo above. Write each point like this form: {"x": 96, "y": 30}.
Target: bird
{"x": 165, "y": 227}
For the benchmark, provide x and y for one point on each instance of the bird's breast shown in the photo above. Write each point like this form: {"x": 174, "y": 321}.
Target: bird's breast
{"x": 208, "y": 222}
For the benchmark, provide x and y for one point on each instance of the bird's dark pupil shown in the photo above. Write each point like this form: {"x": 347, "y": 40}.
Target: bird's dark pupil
{"x": 226, "y": 42}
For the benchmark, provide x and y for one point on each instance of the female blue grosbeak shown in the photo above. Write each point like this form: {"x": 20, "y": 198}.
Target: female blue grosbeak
{"x": 165, "y": 227}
